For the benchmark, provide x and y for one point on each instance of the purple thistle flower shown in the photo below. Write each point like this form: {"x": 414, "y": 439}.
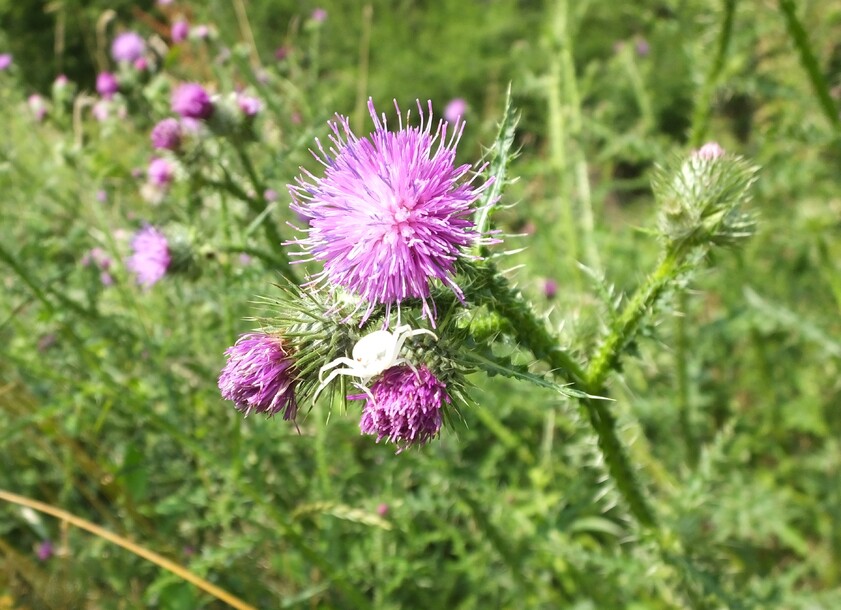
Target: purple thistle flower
{"x": 550, "y": 288}
{"x": 160, "y": 172}
{"x": 101, "y": 110}
{"x": 249, "y": 106}
{"x": 140, "y": 64}
{"x": 179, "y": 31}
{"x": 167, "y": 134}
{"x": 128, "y": 47}
{"x": 190, "y": 100}
{"x": 259, "y": 376}
{"x": 709, "y": 151}
{"x": 107, "y": 85}
{"x": 151, "y": 257}
{"x": 406, "y": 409}
{"x": 38, "y": 106}
{"x": 319, "y": 15}
{"x": 392, "y": 212}
{"x": 5, "y": 61}
{"x": 44, "y": 550}
{"x": 455, "y": 109}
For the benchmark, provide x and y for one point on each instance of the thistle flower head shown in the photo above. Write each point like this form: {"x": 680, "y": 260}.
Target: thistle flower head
{"x": 392, "y": 212}
{"x": 179, "y": 31}
{"x": 259, "y": 376}
{"x": 151, "y": 257}
{"x": 167, "y": 134}
{"x": 160, "y": 172}
{"x": 5, "y": 61}
{"x": 107, "y": 85}
{"x": 128, "y": 47}
{"x": 190, "y": 100}
{"x": 406, "y": 406}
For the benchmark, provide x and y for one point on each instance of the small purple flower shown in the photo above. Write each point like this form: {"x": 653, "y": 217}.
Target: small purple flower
{"x": 38, "y": 106}
{"x": 709, "y": 151}
{"x": 151, "y": 258}
{"x": 455, "y": 109}
{"x": 179, "y": 31}
{"x": 190, "y": 100}
{"x": 270, "y": 195}
{"x": 61, "y": 81}
{"x": 406, "y": 409}
{"x": 550, "y": 288}
{"x": 107, "y": 85}
{"x": 141, "y": 64}
{"x": 259, "y": 376}
{"x": 319, "y": 15}
{"x": 642, "y": 47}
{"x": 392, "y": 212}
{"x": 101, "y": 110}
{"x": 281, "y": 53}
{"x": 382, "y": 509}
{"x": 5, "y": 61}
{"x": 98, "y": 257}
{"x": 102, "y": 196}
{"x": 45, "y": 550}
{"x": 167, "y": 134}
{"x": 128, "y": 47}
{"x": 160, "y": 172}
{"x": 248, "y": 105}
{"x": 200, "y": 32}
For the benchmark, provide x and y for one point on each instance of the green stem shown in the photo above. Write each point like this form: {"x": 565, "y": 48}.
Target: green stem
{"x": 810, "y": 62}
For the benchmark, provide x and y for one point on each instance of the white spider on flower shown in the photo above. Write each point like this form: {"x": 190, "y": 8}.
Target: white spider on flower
{"x": 372, "y": 355}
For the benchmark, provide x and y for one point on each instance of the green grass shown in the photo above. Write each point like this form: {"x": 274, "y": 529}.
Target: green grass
{"x": 725, "y": 402}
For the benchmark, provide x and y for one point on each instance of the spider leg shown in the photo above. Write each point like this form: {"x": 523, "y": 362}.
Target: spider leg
{"x": 405, "y": 334}
{"x": 367, "y": 391}
{"x": 334, "y": 363}
{"x": 330, "y": 378}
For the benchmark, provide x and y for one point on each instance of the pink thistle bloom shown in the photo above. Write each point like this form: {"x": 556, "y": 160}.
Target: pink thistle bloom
{"x": 709, "y": 151}
{"x": 141, "y": 64}
{"x": 550, "y": 288}
{"x": 179, "y": 31}
{"x": 455, "y": 109}
{"x": 45, "y": 550}
{"x": 128, "y": 47}
{"x": 406, "y": 409}
{"x": 107, "y": 85}
{"x": 259, "y": 376}
{"x": 101, "y": 110}
{"x": 38, "y": 106}
{"x": 319, "y": 15}
{"x": 160, "y": 172}
{"x": 200, "y": 32}
{"x": 392, "y": 212}
{"x": 249, "y": 106}
{"x": 190, "y": 100}
{"x": 151, "y": 257}
{"x": 167, "y": 134}
{"x": 5, "y": 61}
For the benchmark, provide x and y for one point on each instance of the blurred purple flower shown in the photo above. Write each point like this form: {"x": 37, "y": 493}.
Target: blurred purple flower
{"x": 151, "y": 257}
{"x": 642, "y": 47}
{"x": 5, "y": 61}
{"x": 200, "y": 32}
{"x": 45, "y": 550}
{"x": 281, "y": 53}
{"x": 392, "y": 212}
{"x": 382, "y": 509}
{"x": 101, "y": 110}
{"x": 190, "y": 100}
{"x": 96, "y": 256}
{"x": 167, "y": 134}
{"x": 160, "y": 172}
{"x": 101, "y": 196}
{"x": 550, "y": 288}
{"x": 179, "y": 31}
{"x": 270, "y": 195}
{"x": 107, "y": 85}
{"x": 128, "y": 47}
{"x": 38, "y": 106}
{"x": 406, "y": 409}
{"x": 61, "y": 81}
{"x": 259, "y": 376}
{"x": 106, "y": 279}
{"x": 319, "y": 15}
{"x": 455, "y": 109}
{"x": 141, "y": 64}
{"x": 709, "y": 151}
{"x": 249, "y": 106}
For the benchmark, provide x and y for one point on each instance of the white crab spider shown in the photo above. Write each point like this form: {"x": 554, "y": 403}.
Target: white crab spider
{"x": 372, "y": 354}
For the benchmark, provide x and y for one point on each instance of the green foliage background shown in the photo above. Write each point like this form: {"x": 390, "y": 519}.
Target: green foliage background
{"x": 108, "y": 402}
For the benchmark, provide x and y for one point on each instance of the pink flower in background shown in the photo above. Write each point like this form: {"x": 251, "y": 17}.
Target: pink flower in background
{"x": 281, "y": 53}
{"x": 550, "y": 288}
{"x": 259, "y": 376}
{"x": 392, "y": 212}
{"x": 151, "y": 257}
{"x": 141, "y": 64}
{"x": 160, "y": 172}
{"x": 5, "y": 61}
{"x": 270, "y": 195}
{"x": 190, "y": 100}
{"x": 455, "y": 109}
{"x": 37, "y": 106}
{"x": 319, "y": 15}
{"x": 249, "y": 106}
{"x": 101, "y": 110}
{"x": 61, "y": 81}
{"x": 45, "y": 550}
{"x": 200, "y": 32}
{"x": 406, "y": 407}
{"x": 179, "y": 31}
{"x": 128, "y": 47}
{"x": 709, "y": 151}
{"x": 167, "y": 134}
{"x": 107, "y": 85}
